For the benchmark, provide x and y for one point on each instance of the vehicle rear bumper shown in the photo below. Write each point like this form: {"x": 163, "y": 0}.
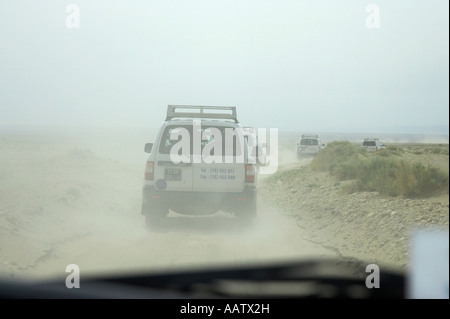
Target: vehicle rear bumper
{"x": 195, "y": 202}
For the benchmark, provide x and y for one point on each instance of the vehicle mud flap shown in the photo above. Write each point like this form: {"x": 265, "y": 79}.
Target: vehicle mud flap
{"x": 153, "y": 220}
{"x": 248, "y": 211}
{"x": 154, "y": 215}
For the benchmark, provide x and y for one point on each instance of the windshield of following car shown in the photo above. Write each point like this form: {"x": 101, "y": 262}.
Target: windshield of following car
{"x": 308, "y": 141}
{"x": 86, "y": 84}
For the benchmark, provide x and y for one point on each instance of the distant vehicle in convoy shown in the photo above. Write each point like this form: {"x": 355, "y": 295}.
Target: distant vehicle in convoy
{"x": 199, "y": 164}
{"x": 372, "y": 144}
{"x": 309, "y": 145}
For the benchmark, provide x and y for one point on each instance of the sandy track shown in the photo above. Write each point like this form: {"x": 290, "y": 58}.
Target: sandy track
{"x": 62, "y": 203}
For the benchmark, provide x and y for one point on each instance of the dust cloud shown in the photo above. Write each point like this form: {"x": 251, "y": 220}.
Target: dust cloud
{"x": 75, "y": 199}
{"x": 69, "y": 198}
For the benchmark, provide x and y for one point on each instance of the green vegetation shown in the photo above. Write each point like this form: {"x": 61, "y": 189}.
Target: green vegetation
{"x": 335, "y": 154}
{"x": 390, "y": 151}
{"x": 436, "y": 150}
{"x": 381, "y": 171}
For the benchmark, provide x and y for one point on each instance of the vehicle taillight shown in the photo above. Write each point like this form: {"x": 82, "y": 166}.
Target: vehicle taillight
{"x": 149, "y": 171}
{"x": 250, "y": 172}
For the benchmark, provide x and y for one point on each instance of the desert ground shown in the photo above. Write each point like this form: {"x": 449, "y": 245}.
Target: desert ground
{"x": 75, "y": 199}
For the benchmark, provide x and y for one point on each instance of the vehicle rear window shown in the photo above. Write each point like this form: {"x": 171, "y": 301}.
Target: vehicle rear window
{"x": 369, "y": 143}
{"x": 167, "y": 143}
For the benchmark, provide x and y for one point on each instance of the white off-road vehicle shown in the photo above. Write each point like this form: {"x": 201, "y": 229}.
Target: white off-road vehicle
{"x": 372, "y": 144}
{"x": 199, "y": 164}
{"x": 309, "y": 145}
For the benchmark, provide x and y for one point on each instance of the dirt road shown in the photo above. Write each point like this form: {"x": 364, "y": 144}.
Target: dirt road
{"x": 77, "y": 201}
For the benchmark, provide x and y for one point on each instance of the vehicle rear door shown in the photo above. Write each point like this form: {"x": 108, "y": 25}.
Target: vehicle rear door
{"x": 169, "y": 175}
{"x": 224, "y": 174}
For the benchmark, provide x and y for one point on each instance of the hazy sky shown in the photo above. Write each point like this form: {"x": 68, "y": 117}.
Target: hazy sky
{"x": 296, "y": 65}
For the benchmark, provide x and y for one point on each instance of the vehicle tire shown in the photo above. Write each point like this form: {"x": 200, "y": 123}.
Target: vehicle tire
{"x": 153, "y": 219}
{"x": 247, "y": 213}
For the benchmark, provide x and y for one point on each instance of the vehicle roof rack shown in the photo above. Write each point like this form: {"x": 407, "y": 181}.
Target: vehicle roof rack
{"x": 200, "y": 111}
{"x": 371, "y": 139}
